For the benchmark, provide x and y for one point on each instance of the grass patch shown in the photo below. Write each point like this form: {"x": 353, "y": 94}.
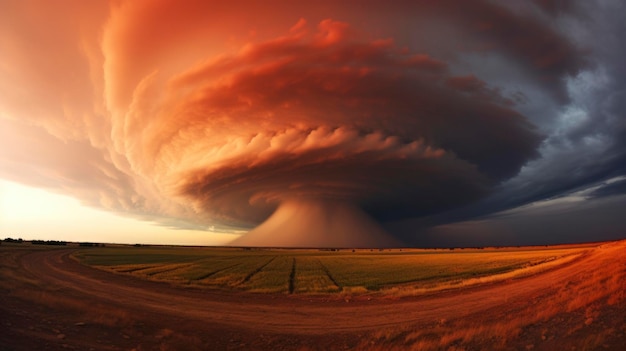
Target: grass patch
{"x": 311, "y": 277}
{"x": 320, "y": 272}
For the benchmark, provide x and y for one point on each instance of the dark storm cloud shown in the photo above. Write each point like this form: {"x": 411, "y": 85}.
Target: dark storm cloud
{"x": 612, "y": 189}
{"x": 388, "y": 188}
{"x": 588, "y": 141}
{"x": 404, "y": 109}
{"x": 585, "y": 145}
{"x": 392, "y": 131}
{"x": 588, "y": 214}
{"x": 526, "y": 36}
{"x": 556, "y": 7}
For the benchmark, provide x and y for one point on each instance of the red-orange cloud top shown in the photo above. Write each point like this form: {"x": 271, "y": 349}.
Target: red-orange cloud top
{"x": 215, "y": 114}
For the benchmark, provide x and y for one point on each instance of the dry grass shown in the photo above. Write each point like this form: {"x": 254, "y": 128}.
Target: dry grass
{"x": 311, "y": 277}
{"x": 574, "y": 308}
{"x": 390, "y": 272}
{"x": 586, "y": 309}
{"x": 525, "y": 270}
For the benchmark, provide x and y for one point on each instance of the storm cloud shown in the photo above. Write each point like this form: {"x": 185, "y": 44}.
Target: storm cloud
{"x": 208, "y": 115}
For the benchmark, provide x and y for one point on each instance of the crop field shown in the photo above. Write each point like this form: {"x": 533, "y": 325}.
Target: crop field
{"x": 196, "y": 298}
{"x": 322, "y": 271}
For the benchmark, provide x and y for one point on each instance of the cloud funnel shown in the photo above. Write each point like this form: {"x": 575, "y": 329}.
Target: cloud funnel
{"x": 336, "y": 121}
{"x": 317, "y": 223}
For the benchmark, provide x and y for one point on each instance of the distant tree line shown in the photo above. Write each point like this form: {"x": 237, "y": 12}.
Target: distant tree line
{"x": 90, "y": 245}
{"x": 49, "y": 242}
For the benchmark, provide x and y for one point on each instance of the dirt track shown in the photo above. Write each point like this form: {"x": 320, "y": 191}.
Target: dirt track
{"x": 50, "y": 301}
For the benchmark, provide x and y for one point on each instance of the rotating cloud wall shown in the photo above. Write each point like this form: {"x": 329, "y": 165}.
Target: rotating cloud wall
{"x": 198, "y": 114}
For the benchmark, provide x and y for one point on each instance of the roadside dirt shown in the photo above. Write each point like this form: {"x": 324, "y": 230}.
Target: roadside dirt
{"x": 51, "y": 302}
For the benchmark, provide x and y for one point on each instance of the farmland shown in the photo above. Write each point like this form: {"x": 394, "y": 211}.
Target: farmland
{"x": 175, "y": 298}
{"x": 321, "y": 272}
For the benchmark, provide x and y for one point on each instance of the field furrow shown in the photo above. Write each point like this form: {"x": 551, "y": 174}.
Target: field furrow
{"x": 131, "y": 268}
{"x": 273, "y": 276}
{"x": 237, "y": 275}
{"x": 311, "y": 277}
{"x": 205, "y": 268}
{"x": 162, "y": 269}
{"x": 292, "y": 276}
{"x": 320, "y": 271}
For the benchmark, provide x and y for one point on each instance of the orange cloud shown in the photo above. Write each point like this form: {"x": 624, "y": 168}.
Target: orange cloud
{"x": 202, "y": 113}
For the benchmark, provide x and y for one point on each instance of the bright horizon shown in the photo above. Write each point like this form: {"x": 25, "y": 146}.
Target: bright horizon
{"x": 36, "y": 214}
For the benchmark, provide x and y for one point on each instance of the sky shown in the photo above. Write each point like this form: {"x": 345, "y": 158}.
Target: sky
{"x": 367, "y": 124}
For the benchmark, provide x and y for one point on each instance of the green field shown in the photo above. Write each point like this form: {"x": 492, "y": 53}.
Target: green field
{"x": 318, "y": 271}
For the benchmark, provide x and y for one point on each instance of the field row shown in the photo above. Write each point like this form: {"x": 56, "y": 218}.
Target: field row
{"x": 312, "y": 271}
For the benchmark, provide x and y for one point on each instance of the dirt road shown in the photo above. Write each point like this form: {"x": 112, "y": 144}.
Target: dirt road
{"x": 50, "y": 301}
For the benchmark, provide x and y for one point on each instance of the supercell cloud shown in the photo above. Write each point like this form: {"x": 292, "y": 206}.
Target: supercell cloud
{"x": 316, "y": 121}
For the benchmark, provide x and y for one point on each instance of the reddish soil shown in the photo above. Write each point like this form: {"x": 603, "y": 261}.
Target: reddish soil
{"x": 51, "y": 302}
